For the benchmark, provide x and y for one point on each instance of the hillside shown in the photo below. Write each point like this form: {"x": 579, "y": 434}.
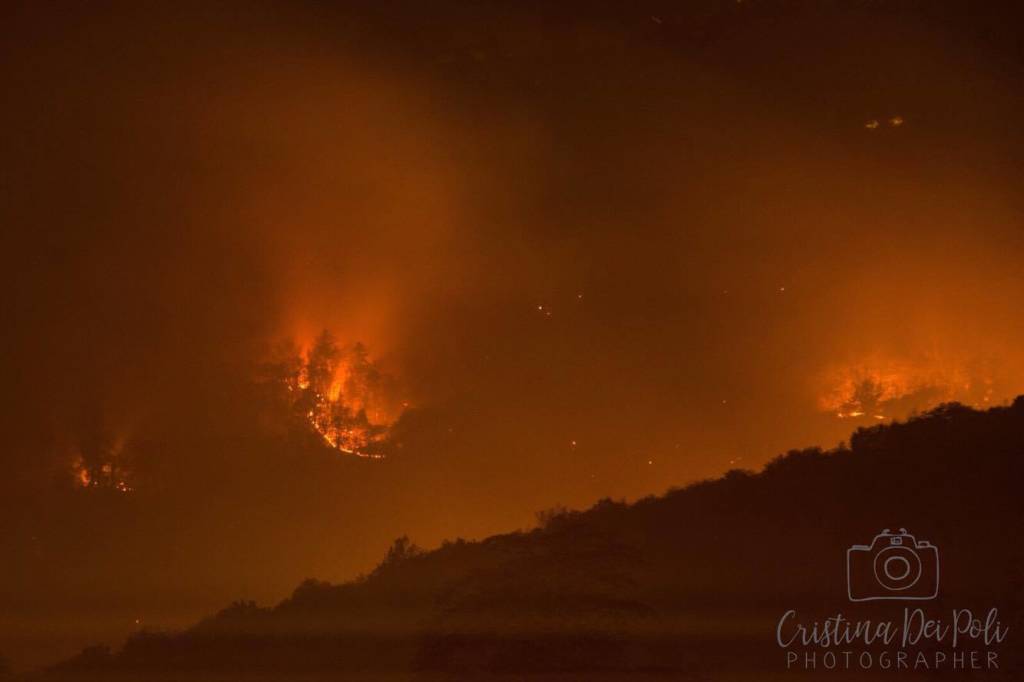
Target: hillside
{"x": 673, "y": 585}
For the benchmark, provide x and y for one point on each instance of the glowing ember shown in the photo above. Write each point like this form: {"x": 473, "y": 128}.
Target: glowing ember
{"x": 109, "y": 475}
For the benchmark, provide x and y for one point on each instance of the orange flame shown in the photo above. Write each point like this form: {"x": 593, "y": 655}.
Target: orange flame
{"x": 887, "y": 388}
{"x": 343, "y": 396}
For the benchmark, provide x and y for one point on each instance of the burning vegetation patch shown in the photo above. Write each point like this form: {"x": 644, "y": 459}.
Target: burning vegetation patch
{"x": 101, "y": 463}
{"x": 881, "y": 390}
{"x": 338, "y": 393}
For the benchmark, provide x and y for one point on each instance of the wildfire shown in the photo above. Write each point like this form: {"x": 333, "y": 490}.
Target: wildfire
{"x": 109, "y": 475}
{"x": 341, "y": 394}
{"x": 888, "y": 389}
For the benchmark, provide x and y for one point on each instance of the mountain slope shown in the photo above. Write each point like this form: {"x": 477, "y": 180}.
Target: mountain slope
{"x": 672, "y": 584}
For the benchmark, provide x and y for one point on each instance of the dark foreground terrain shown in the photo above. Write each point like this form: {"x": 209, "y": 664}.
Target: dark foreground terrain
{"x": 687, "y": 585}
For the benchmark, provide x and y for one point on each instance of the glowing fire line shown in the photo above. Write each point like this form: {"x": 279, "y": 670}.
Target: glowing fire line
{"x": 343, "y": 397}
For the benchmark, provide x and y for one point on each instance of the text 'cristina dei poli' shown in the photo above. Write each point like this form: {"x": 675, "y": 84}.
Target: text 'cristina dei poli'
{"x": 918, "y": 642}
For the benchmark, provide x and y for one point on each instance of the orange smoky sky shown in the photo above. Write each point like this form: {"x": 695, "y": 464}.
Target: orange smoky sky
{"x": 598, "y": 249}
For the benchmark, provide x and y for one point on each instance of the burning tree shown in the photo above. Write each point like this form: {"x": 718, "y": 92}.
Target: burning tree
{"x": 338, "y": 392}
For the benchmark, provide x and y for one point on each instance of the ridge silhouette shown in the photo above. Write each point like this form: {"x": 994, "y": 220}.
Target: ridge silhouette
{"x": 690, "y": 583}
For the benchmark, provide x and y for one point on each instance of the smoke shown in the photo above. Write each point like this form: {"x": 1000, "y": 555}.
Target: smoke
{"x": 600, "y": 254}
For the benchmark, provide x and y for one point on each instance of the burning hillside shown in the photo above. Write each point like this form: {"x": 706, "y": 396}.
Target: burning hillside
{"x": 882, "y": 389}
{"x": 337, "y": 392}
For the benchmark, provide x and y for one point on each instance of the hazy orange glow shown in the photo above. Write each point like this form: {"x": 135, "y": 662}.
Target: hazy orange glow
{"x": 600, "y": 255}
{"x": 888, "y": 388}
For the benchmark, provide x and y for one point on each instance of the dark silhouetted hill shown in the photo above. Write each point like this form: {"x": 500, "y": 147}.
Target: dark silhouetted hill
{"x": 687, "y": 584}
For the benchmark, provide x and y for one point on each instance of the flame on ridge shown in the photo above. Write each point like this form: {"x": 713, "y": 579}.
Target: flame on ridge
{"x": 889, "y": 389}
